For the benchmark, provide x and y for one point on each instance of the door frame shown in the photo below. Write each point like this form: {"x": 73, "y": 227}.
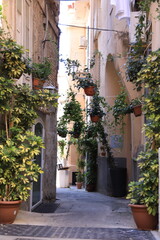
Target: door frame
{"x": 42, "y": 164}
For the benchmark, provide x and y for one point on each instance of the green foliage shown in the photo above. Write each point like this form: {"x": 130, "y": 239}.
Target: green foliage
{"x": 83, "y": 78}
{"x": 72, "y": 113}
{"x": 79, "y": 177}
{"x": 18, "y": 169}
{"x": 61, "y": 144}
{"x": 72, "y": 108}
{"x": 18, "y": 111}
{"x": 12, "y": 64}
{"x": 41, "y": 70}
{"x": 120, "y": 109}
{"x": 62, "y": 128}
{"x": 149, "y": 76}
{"x": 145, "y": 190}
{"x": 97, "y": 105}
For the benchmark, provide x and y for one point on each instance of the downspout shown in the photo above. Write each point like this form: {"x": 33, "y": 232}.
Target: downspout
{"x": 46, "y": 30}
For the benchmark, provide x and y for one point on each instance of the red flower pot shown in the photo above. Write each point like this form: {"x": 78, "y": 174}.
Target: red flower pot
{"x": 37, "y": 83}
{"x": 79, "y": 185}
{"x": 95, "y": 118}
{"x": 137, "y": 110}
{"x": 142, "y": 218}
{"x": 89, "y": 91}
{"x": 8, "y": 211}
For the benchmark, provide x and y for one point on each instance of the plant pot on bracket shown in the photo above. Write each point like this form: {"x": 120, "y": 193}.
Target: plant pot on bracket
{"x": 89, "y": 91}
{"x": 137, "y": 110}
{"x": 95, "y": 118}
{"x": 37, "y": 83}
{"x": 8, "y": 211}
{"x": 142, "y": 218}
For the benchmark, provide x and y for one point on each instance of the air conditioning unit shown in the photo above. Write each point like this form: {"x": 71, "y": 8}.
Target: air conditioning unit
{"x": 132, "y": 28}
{"x": 83, "y": 42}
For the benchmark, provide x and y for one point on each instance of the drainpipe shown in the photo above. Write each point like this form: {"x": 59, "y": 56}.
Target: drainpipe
{"x": 46, "y": 30}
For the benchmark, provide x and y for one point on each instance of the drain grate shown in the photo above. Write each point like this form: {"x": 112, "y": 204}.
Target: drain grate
{"x": 73, "y": 232}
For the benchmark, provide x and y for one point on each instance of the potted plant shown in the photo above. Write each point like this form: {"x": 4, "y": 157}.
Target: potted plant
{"x": 18, "y": 144}
{"x": 84, "y": 80}
{"x": 121, "y": 108}
{"x": 96, "y": 108}
{"x": 77, "y": 128}
{"x": 136, "y": 105}
{"x": 40, "y": 73}
{"x": 62, "y": 128}
{"x": 72, "y": 114}
{"x": 79, "y": 179}
{"x": 148, "y": 160}
{"x": 143, "y": 194}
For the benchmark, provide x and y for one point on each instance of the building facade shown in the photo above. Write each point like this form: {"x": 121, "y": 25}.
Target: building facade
{"x": 112, "y": 35}
{"x": 34, "y": 25}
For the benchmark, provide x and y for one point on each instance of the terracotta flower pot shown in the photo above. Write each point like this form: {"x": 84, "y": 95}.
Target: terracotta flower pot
{"x": 142, "y": 218}
{"x": 8, "y": 211}
{"x": 95, "y": 118}
{"x": 137, "y": 110}
{"x": 37, "y": 83}
{"x": 90, "y": 187}
{"x": 79, "y": 185}
{"x": 89, "y": 91}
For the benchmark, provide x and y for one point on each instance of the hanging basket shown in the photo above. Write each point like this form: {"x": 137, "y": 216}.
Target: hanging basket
{"x": 89, "y": 91}
{"x": 137, "y": 110}
{"x": 95, "y": 118}
{"x": 37, "y": 83}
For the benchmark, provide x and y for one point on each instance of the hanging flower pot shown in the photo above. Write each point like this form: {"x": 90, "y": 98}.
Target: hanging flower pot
{"x": 95, "y": 118}
{"x": 142, "y": 218}
{"x": 89, "y": 91}
{"x": 137, "y": 110}
{"x": 76, "y": 134}
{"x": 37, "y": 83}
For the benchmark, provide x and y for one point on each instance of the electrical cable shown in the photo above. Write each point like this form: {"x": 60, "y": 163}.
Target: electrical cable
{"x": 91, "y": 28}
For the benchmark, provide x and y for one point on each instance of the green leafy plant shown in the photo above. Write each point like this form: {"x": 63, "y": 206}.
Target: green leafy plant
{"x": 72, "y": 113}
{"x": 12, "y": 62}
{"x": 97, "y": 105}
{"x": 61, "y": 144}
{"x": 79, "y": 177}
{"x": 62, "y": 128}
{"x": 145, "y": 190}
{"x": 84, "y": 79}
{"x": 149, "y": 76}
{"x": 121, "y": 108}
{"x": 18, "y": 111}
{"x": 42, "y": 70}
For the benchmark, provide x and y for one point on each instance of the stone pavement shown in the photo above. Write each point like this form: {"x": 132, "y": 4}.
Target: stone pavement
{"x": 80, "y": 215}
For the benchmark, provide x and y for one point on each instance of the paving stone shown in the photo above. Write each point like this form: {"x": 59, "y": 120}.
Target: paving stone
{"x": 75, "y": 232}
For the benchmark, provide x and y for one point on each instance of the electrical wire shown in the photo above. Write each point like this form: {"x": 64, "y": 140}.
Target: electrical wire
{"x": 90, "y": 28}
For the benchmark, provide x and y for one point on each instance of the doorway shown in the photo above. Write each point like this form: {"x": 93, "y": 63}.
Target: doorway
{"x": 37, "y": 186}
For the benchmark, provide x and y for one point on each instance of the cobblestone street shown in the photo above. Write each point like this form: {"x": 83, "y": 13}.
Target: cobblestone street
{"x": 80, "y": 215}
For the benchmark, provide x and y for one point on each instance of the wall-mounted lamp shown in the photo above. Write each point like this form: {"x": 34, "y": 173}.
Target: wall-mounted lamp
{"x": 50, "y": 87}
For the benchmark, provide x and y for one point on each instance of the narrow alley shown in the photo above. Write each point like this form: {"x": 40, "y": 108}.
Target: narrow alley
{"x": 79, "y": 215}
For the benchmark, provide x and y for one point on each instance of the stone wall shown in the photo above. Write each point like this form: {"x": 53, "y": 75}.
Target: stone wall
{"x": 46, "y": 44}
